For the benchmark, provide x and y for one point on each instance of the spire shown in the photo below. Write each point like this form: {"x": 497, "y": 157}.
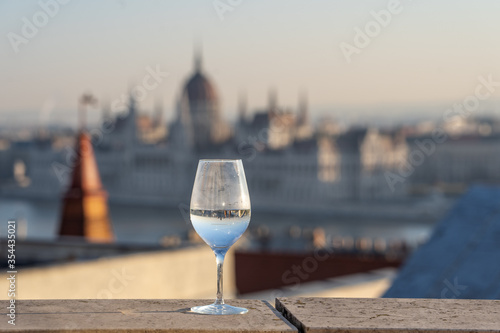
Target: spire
{"x": 242, "y": 107}
{"x": 132, "y": 105}
{"x": 198, "y": 56}
{"x": 86, "y": 100}
{"x": 130, "y": 132}
{"x": 106, "y": 111}
{"x": 158, "y": 113}
{"x": 303, "y": 116}
{"x": 85, "y": 208}
{"x": 273, "y": 100}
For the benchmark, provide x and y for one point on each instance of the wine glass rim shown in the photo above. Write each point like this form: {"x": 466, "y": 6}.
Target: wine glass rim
{"x": 219, "y": 160}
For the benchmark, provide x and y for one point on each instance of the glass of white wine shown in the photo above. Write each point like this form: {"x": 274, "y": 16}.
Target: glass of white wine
{"x": 220, "y": 214}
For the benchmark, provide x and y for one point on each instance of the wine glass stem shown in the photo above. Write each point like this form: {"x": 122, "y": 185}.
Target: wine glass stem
{"x": 219, "y": 258}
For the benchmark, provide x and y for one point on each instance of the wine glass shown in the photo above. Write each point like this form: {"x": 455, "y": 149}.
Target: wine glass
{"x": 220, "y": 213}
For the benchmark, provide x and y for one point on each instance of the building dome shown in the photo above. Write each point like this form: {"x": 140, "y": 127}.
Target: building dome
{"x": 199, "y": 111}
{"x": 200, "y": 89}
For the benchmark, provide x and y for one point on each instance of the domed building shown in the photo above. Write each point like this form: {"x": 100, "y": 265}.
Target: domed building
{"x": 198, "y": 111}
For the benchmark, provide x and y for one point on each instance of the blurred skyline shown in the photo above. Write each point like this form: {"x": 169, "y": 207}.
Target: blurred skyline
{"x": 430, "y": 54}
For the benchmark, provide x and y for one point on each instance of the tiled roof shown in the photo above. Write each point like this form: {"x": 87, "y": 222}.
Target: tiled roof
{"x": 462, "y": 257}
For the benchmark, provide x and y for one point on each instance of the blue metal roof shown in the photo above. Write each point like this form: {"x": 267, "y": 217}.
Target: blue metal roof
{"x": 462, "y": 257}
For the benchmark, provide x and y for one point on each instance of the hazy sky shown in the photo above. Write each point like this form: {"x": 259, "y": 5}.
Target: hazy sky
{"x": 430, "y": 52}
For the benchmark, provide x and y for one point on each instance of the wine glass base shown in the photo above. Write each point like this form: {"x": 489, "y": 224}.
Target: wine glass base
{"x": 218, "y": 309}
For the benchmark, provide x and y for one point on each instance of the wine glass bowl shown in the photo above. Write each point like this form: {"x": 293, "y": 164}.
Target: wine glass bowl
{"x": 220, "y": 214}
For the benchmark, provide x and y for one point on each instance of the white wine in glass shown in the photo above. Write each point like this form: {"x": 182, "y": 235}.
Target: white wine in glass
{"x": 220, "y": 213}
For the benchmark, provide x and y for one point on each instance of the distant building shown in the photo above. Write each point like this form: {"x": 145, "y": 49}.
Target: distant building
{"x": 468, "y": 152}
{"x": 198, "y": 111}
{"x": 366, "y": 154}
{"x": 288, "y": 164}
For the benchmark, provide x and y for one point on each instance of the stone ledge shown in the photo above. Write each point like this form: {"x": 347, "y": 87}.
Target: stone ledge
{"x": 391, "y": 315}
{"x": 307, "y": 314}
{"x": 139, "y": 316}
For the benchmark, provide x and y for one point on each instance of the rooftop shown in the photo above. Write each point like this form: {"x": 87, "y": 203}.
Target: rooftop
{"x": 460, "y": 260}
